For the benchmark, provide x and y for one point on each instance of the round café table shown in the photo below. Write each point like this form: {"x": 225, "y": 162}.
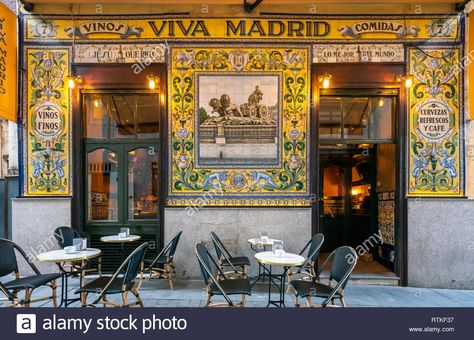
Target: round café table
{"x": 288, "y": 260}
{"x": 60, "y": 257}
{"x": 258, "y": 244}
{"x": 122, "y": 240}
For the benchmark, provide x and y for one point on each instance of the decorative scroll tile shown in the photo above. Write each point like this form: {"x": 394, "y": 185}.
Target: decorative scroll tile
{"x": 48, "y": 135}
{"x": 360, "y": 53}
{"x": 435, "y": 127}
{"x": 194, "y": 184}
{"x": 120, "y": 53}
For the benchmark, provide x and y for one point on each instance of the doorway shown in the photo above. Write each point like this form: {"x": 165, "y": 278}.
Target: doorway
{"x": 357, "y": 175}
{"x": 122, "y": 164}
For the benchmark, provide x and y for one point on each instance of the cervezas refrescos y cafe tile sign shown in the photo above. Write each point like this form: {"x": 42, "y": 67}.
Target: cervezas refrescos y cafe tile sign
{"x": 149, "y": 28}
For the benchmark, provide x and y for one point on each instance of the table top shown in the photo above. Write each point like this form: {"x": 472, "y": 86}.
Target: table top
{"x": 117, "y": 239}
{"x": 257, "y": 240}
{"x": 61, "y": 256}
{"x": 288, "y": 260}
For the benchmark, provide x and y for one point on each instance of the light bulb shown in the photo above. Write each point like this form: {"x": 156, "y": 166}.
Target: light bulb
{"x": 408, "y": 82}
{"x": 151, "y": 83}
{"x": 71, "y": 83}
{"x": 326, "y": 83}
{"x": 381, "y": 102}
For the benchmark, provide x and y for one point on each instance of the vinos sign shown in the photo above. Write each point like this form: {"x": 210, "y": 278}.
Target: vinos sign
{"x": 47, "y": 122}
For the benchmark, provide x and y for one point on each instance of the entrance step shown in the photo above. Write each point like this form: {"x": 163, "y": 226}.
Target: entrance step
{"x": 386, "y": 279}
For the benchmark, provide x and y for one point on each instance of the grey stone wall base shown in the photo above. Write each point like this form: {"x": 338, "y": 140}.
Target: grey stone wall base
{"x": 33, "y": 223}
{"x": 441, "y": 243}
{"x": 234, "y": 226}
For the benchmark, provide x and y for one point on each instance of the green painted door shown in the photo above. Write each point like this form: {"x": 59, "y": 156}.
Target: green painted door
{"x": 122, "y": 166}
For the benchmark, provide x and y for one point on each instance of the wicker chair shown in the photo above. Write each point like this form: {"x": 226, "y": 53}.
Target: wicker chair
{"x": 233, "y": 264}
{"x": 224, "y": 287}
{"x": 161, "y": 266}
{"x": 344, "y": 260}
{"x": 122, "y": 282}
{"x": 310, "y": 267}
{"x": 64, "y": 237}
{"x": 9, "y": 265}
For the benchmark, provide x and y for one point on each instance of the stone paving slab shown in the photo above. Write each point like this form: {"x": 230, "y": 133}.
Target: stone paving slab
{"x": 192, "y": 294}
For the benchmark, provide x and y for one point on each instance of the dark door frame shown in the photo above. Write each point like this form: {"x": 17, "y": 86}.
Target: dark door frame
{"x": 368, "y": 76}
{"x": 109, "y": 77}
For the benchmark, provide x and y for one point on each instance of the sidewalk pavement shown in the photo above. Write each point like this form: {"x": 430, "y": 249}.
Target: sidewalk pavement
{"x": 191, "y": 293}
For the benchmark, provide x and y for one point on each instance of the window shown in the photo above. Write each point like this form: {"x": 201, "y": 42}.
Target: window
{"x": 122, "y": 156}
{"x": 121, "y": 115}
{"x": 356, "y": 118}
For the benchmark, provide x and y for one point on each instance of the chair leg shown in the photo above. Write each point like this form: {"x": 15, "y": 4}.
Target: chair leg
{"x": 169, "y": 274}
{"x": 27, "y": 297}
{"x": 137, "y": 296}
{"x": 309, "y": 301}
{"x": 243, "y": 300}
{"x": 84, "y": 299}
{"x": 55, "y": 294}
{"x": 124, "y": 299}
{"x": 296, "y": 300}
{"x": 208, "y": 299}
{"x": 244, "y": 271}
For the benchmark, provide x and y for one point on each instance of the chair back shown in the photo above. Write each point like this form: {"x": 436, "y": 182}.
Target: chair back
{"x": 65, "y": 235}
{"x": 174, "y": 244}
{"x": 205, "y": 259}
{"x": 8, "y": 262}
{"x": 344, "y": 261}
{"x": 132, "y": 265}
{"x": 168, "y": 250}
{"x": 221, "y": 251}
{"x": 315, "y": 246}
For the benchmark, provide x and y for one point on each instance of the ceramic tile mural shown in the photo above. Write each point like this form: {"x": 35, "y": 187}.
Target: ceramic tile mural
{"x": 238, "y": 125}
{"x": 386, "y": 219}
{"x": 250, "y": 134}
{"x": 435, "y": 135}
{"x": 48, "y": 139}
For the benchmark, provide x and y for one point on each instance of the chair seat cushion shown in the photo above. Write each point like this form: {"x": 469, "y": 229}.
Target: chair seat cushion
{"x": 34, "y": 281}
{"x": 97, "y": 285}
{"x": 237, "y": 261}
{"x": 161, "y": 260}
{"x": 230, "y": 287}
{"x": 309, "y": 288}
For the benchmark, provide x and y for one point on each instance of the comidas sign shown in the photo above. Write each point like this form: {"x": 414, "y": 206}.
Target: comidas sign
{"x": 8, "y": 46}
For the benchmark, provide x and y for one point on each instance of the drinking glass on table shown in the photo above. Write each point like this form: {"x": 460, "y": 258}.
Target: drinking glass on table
{"x": 278, "y": 248}
{"x": 124, "y": 232}
{"x": 264, "y": 236}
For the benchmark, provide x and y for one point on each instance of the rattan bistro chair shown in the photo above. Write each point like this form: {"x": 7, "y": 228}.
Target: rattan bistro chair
{"x": 161, "y": 266}
{"x": 344, "y": 260}
{"x": 64, "y": 237}
{"x": 122, "y": 282}
{"x": 9, "y": 264}
{"x": 226, "y": 260}
{"x": 224, "y": 287}
{"x": 309, "y": 268}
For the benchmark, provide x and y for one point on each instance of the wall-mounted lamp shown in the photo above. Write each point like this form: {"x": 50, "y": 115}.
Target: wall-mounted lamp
{"x": 153, "y": 81}
{"x": 408, "y": 79}
{"x": 72, "y": 80}
{"x": 325, "y": 80}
